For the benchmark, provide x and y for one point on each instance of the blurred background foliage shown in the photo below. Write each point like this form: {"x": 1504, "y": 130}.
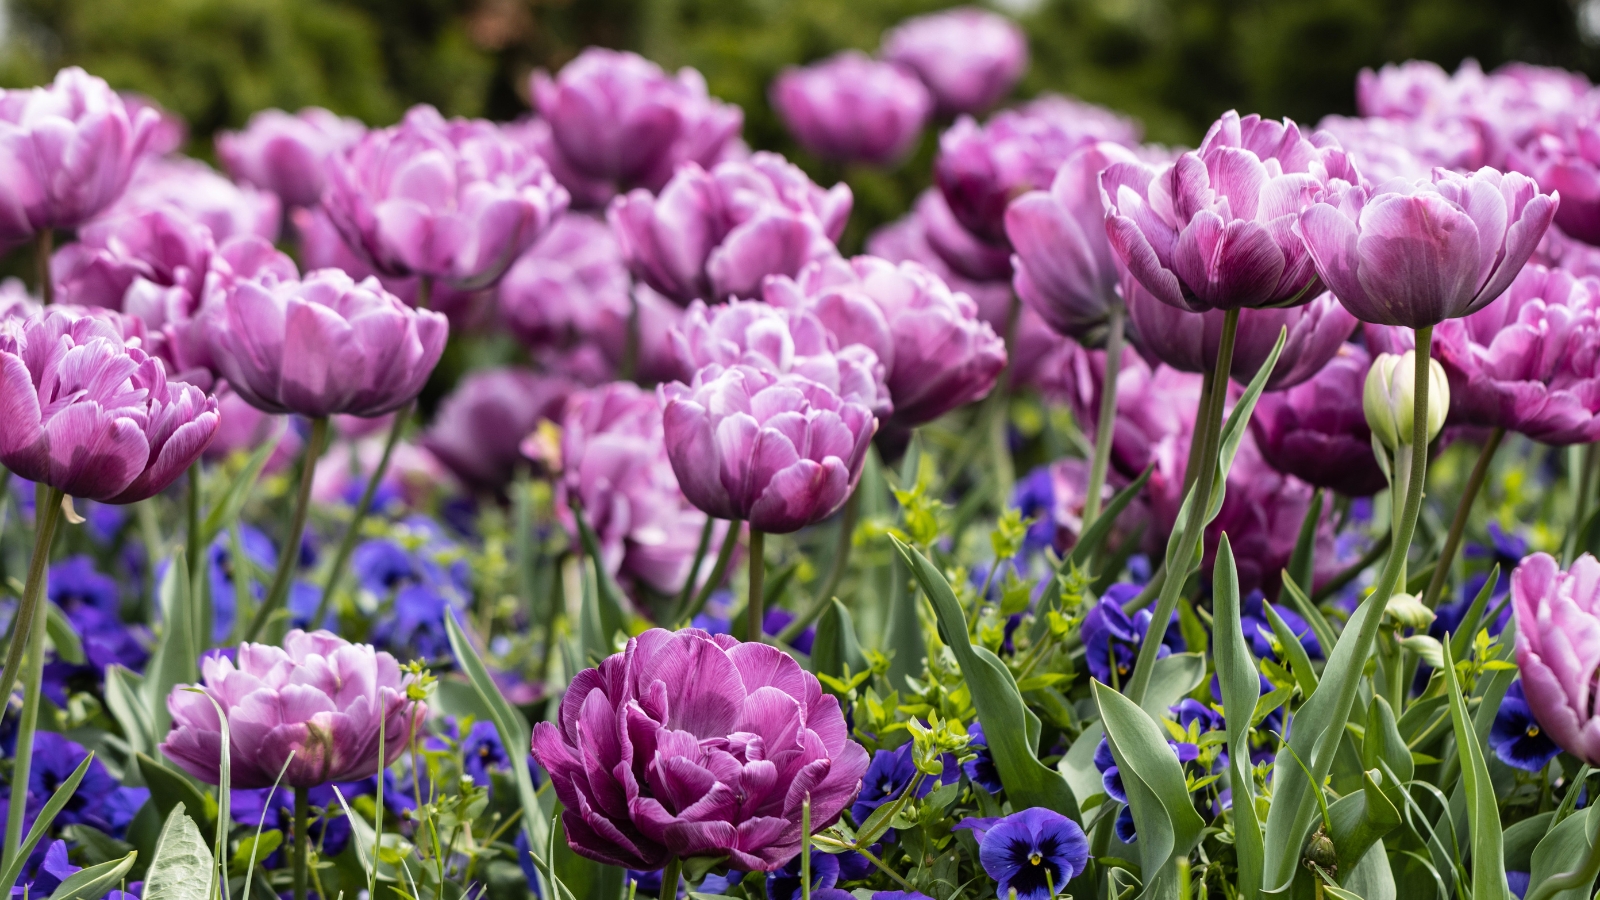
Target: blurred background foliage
{"x": 1175, "y": 64}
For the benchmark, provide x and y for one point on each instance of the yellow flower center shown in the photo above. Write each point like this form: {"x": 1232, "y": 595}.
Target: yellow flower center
{"x": 1533, "y": 731}
{"x": 1035, "y": 858}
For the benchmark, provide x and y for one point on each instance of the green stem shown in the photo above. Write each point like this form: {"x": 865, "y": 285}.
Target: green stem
{"x": 29, "y": 632}
{"x": 836, "y": 569}
{"x": 758, "y": 565}
{"x": 629, "y": 366}
{"x": 1458, "y": 526}
{"x": 1208, "y": 430}
{"x": 730, "y": 543}
{"x": 302, "y": 841}
{"x": 700, "y": 550}
{"x": 1191, "y": 468}
{"x": 670, "y": 876}
{"x": 192, "y": 539}
{"x": 297, "y": 527}
{"x": 1580, "y": 507}
{"x": 352, "y": 532}
{"x": 44, "y": 245}
{"x": 1108, "y": 420}
{"x": 424, "y": 291}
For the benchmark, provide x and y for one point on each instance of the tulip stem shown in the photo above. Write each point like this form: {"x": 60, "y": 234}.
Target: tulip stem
{"x": 629, "y": 365}
{"x": 44, "y": 246}
{"x": 689, "y": 580}
{"x": 1208, "y": 431}
{"x": 352, "y": 532}
{"x": 1452, "y": 542}
{"x": 670, "y": 876}
{"x": 424, "y": 291}
{"x": 1191, "y": 468}
{"x": 841, "y": 561}
{"x": 28, "y": 632}
{"x": 758, "y": 565}
{"x": 730, "y": 543}
{"x": 192, "y": 542}
{"x": 1108, "y": 419}
{"x": 291, "y": 541}
{"x": 302, "y": 840}
{"x": 1580, "y": 507}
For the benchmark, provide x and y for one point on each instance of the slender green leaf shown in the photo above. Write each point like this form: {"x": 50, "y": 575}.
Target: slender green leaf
{"x": 125, "y": 698}
{"x": 181, "y": 868}
{"x": 1568, "y": 843}
{"x": 1383, "y": 749}
{"x": 1309, "y": 611}
{"x": 835, "y": 644}
{"x": 1371, "y": 876}
{"x": 1483, "y": 817}
{"x": 612, "y": 604}
{"x": 1301, "y": 560}
{"x": 63, "y": 636}
{"x": 1240, "y": 681}
{"x": 96, "y": 881}
{"x": 1522, "y": 837}
{"x": 1361, "y": 819}
{"x": 177, "y": 654}
{"x": 1028, "y": 781}
{"x": 169, "y": 790}
{"x": 1174, "y": 676}
{"x": 233, "y": 500}
{"x": 1299, "y": 660}
{"x": 41, "y": 825}
{"x": 1461, "y": 641}
{"x": 1089, "y": 544}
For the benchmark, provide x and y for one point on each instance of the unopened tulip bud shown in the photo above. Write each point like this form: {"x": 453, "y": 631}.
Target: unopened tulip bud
{"x": 1390, "y": 397}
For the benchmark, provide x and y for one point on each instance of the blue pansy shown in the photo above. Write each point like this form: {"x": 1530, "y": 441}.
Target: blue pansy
{"x": 1111, "y": 638}
{"x": 1110, "y": 775}
{"x": 1035, "y": 497}
{"x": 888, "y": 774}
{"x": 100, "y": 800}
{"x": 1516, "y": 737}
{"x": 259, "y": 550}
{"x": 784, "y": 883}
{"x": 1258, "y": 630}
{"x": 981, "y": 769}
{"x": 1034, "y": 852}
{"x": 1123, "y": 826}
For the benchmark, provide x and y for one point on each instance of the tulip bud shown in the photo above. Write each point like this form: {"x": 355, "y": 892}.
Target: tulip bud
{"x": 1389, "y": 398}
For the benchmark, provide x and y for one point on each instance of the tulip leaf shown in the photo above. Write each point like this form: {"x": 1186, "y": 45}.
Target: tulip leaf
{"x": 1302, "y": 559}
{"x": 1309, "y": 611}
{"x": 905, "y": 642}
{"x": 1522, "y": 837}
{"x": 168, "y": 789}
{"x": 47, "y": 816}
{"x": 1173, "y": 677}
{"x": 124, "y": 694}
{"x": 1077, "y": 765}
{"x": 612, "y": 605}
{"x": 1371, "y": 878}
{"x": 1240, "y": 682}
{"x": 1015, "y": 728}
{"x": 181, "y": 868}
{"x": 174, "y": 661}
{"x": 1461, "y": 641}
{"x": 1299, "y": 660}
{"x": 226, "y": 512}
{"x": 63, "y": 637}
{"x": 95, "y": 881}
{"x": 1361, "y": 819}
{"x": 1569, "y": 842}
{"x": 835, "y": 645}
{"x": 1163, "y": 812}
{"x": 1483, "y": 809}
{"x": 1097, "y": 533}
{"x": 1383, "y": 749}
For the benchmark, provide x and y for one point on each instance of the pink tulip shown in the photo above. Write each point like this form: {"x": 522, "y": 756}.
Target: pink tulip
{"x": 1558, "y": 648}
{"x": 968, "y": 57}
{"x": 201, "y": 194}
{"x": 851, "y": 108}
{"x": 287, "y": 154}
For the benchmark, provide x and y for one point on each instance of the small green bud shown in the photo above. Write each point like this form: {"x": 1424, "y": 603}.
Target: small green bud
{"x": 1389, "y": 397}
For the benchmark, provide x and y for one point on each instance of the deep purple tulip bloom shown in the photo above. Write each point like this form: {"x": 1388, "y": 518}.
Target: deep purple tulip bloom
{"x": 1567, "y": 163}
{"x": 1189, "y": 341}
{"x": 323, "y": 345}
{"x": 569, "y": 288}
{"x": 968, "y": 57}
{"x": 479, "y": 428}
{"x": 1516, "y": 737}
{"x": 456, "y": 200}
{"x": 1034, "y": 853}
{"x": 204, "y": 195}
{"x": 779, "y": 451}
{"x": 981, "y": 169}
{"x": 690, "y": 745}
{"x": 1317, "y": 431}
{"x": 288, "y": 154}
{"x": 1558, "y": 648}
{"x": 1214, "y": 229}
{"x": 852, "y": 108}
{"x": 713, "y": 234}
{"x": 1528, "y": 362}
{"x": 781, "y": 340}
{"x": 956, "y": 248}
{"x": 1417, "y": 253}
{"x": 617, "y": 119}
{"x": 91, "y": 416}
{"x": 318, "y": 697}
{"x": 158, "y": 256}
{"x": 68, "y": 151}
{"x": 938, "y": 353}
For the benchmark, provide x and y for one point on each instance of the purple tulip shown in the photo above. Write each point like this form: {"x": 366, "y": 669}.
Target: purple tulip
{"x": 1558, "y": 648}
{"x": 1214, "y": 229}
{"x": 1417, "y": 253}
{"x": 322, "y": 345}
{"x": 1064, "y": 268}
{"x": 92, "y": 417}
{"x": 616, "y": 121}
{"x": 454, "y": 200}
{"x": 1189, "y": 341}
{"x": 852, "y": 108}
{"x": 780, "y": 340}
{"x": 712, "y": 235}
{"x": 938, "y": 353}
{"x": 969, "y": 58}
{"x": 614, "y": 460}
{"x": 1317, "y": 431}
{"x": 1401, "y": 148}
{"x": 287, "y": 154}
{"x": 1569, "y": 164}
{"x": 1528, "y": 362}
{"x": 15, "y": 301}
{"x": 1155, "y": 409}
{"x": 687, "y": 745}
{"x": 318, "y": 698}
{"x": 68, "y": 151}
{"x": 170, "y": 132}
{"x": 957, "y": 248}
{"x": 200, "y": 193}
{"x": 155, "y": 258}
{"x": 981, "y": 169}
{"x": 479, "y": 428}
{"x": 779, "y": 451}
{"x": 323, "y": 247}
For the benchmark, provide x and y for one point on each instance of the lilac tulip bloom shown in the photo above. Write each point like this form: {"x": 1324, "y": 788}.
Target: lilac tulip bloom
{"x": 1568, "y": 164}
{"x": 204, "y": 195}
{"x": 1528, "y": 362}
{"x": 1407, "y": 148}
{"x": 454, "y": 200}
{"x": 938, "y": 353}
{"x": 779, "y": 451}
{"x": 957, "y": 248}
{"x": 1417, "y": 253}
{"x": 968, "y": 57}
{"x": 68, "y": 151}
{"x": 713, "y": 234}
{"x": 479, "y": 428}
{"x": 980, "y": 169}
{"x": 318, "y": 697}
{"x": 570, "y": 287}
{"x": 1317, "y": 431}
{"x": 92, "y": 417}
{"x": 288, "y": 154}
{"x": 1558, "y": 648}
{"x": 718, "y": 744}
{"x": 1214, "y": 229}
{"x": 852, "y": 108}
{"x": 322, "y": 345}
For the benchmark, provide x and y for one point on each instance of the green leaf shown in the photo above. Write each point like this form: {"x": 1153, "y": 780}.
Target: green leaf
{"x": 1077, "y": 766}
{"x": 177, "y": 653}
{"x": 1299, "y": 660}
{"x": 612, "y": 604}
{"x": 1521, "y": 839}
{"x": 1382, "y": 746}
{"x": 41, "y": 825}
{"x": 1360, "y": 820}
{"x": 169, "y": 790}
{"x": 1173, "y": 677}
{"x": 252, "y": 848}
{"x": 1163, "y": 812}
{"x": 1028, "y": 782}
{"x": 1089, "y": 543}
{"x": 1309, "y": 611}
{"x": 62, "y": 635}
{"x": 96, "y": 881}
{"x": 1483, "y": 810}
{"x": 125, "y": 698}
{"x": 1461, "y": 642}
{"x": 181, "y": 868}
{"x": 1571, "y": 841}
{"x": 1300, "y": 561}
{"x": 1241, "y": 689}
{"x": 233, "y": 500}
{"x": 1371, "y": 876}
{"x": 835, "y": 644}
